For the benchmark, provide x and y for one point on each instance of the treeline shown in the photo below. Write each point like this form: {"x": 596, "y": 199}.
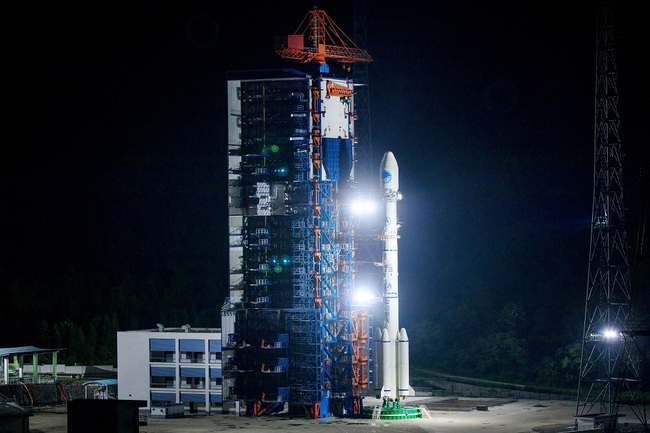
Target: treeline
{"x": 526, "y": 338}
{"x": 511, "y": 347}
{"x": 81, "y": 312}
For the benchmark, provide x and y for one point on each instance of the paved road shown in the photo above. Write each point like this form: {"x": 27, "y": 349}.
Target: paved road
{"x": 522, "y": 416}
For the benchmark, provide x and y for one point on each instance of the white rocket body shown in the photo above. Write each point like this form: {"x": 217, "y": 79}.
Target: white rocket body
{"x": 404, "y": 389}
{"x": 394, "y": 345}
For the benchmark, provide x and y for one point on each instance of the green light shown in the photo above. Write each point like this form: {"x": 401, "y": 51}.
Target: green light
{"x": 275, "y": 148}
{"x": 278, "y": 269}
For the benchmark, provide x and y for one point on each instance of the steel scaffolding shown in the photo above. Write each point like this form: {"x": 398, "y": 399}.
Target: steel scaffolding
{"x": 291, "y": 335}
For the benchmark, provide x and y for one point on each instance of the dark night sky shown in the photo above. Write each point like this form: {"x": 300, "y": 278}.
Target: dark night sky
{"x": 115, "y": 136}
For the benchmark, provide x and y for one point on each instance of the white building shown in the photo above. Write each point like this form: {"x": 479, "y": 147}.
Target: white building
{"x": 171, "y": 365}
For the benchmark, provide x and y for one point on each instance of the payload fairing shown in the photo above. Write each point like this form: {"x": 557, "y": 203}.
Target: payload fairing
{"x": 391, "y": 342}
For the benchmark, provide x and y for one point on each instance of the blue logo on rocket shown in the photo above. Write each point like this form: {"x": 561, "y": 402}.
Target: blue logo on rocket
{"x": 387, "y": 176}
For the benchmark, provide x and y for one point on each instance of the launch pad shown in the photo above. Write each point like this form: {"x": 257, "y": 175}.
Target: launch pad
{"x": 394, "y": 412}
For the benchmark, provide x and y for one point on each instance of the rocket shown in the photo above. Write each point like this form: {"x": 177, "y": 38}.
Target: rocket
{"x": 391, "y": 342}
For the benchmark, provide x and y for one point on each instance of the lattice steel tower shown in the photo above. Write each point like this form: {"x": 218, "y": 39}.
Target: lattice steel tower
{"x": 365, "y": 169}
{"x": 609, "y": 366}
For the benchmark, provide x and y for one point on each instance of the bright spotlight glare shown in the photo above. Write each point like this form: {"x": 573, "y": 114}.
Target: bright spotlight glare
{"x": 610, "y": 334}
{"x": 362, "y": 297}
{"x": 363, "y": 206}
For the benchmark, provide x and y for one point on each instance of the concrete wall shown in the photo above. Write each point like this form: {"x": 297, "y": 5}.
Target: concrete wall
{"x": 133, "y": 365}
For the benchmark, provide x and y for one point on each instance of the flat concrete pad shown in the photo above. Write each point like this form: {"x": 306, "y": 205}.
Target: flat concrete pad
{"x": 511, "y": 417}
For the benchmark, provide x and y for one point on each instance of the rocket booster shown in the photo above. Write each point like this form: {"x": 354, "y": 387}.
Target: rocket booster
{"x": 392, "y": 346}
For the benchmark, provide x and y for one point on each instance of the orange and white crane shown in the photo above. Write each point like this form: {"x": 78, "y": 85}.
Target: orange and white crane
{"x": 317, "y": 40}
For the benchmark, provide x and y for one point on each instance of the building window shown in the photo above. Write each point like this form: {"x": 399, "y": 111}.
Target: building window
{"x": 214, "y": 347}
{"x": 162, "y": 350}
{"x": 163, "y": 377}
{"x": 196, "y": 401}
{"x": 163, "y": 382}
{"x": 216, "y": 383}
{"x": 162, "y": 398}
{"x": 192, "y": 378}
{"x": 216, "y": 399}
{"x": 193, "y": 357}
{"x": 192, "y": 351}
{"x": 192, "y": 382}
{"x": 161, "y": 356}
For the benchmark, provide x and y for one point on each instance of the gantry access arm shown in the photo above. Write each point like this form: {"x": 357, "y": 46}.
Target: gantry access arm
{"x": 318, "y": 39}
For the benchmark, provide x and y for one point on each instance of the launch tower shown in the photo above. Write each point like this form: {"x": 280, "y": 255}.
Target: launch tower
{"x": 290, "y": 333}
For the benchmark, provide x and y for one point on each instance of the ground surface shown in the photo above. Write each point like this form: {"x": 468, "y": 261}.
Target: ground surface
{"x": 520, "y": 416}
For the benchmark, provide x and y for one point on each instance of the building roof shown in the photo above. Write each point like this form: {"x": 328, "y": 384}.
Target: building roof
{"x": 24, "y": 350}
{"x": 11, "y": 409}
{"x": 178, "y": 330}
{"x": 105, "y": 382}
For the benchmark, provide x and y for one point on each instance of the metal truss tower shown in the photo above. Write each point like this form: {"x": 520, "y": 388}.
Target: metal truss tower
{"x": 365, "y": 169}
{"x": 609, "y": 368}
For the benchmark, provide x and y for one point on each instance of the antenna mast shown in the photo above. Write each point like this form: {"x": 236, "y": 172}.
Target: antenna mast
{"x": 609, "y": 367}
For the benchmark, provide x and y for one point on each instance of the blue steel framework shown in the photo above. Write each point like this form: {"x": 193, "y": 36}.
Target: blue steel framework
{"x": 296, "y": 251}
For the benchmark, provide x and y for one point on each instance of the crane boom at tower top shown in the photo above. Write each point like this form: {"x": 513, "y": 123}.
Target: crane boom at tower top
{"x": 318, "y": 39}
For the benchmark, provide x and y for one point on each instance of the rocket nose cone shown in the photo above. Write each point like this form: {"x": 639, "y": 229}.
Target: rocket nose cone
{"x": 402, "y": 335}
{"x": 384, "y": 335}
{"x": 389, "y": 172}
{"x": 388, "y": 160}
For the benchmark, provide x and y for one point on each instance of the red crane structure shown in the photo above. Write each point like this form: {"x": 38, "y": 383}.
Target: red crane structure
{"x": 317, "y": 40}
